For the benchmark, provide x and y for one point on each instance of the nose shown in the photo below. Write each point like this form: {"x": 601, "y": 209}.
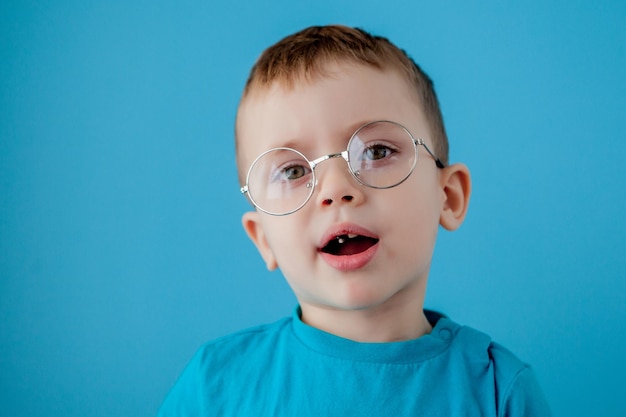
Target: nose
{"x": 336, "y": 185}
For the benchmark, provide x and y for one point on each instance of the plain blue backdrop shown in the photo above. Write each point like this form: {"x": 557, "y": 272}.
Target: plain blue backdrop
{"x": 121, "y": 249}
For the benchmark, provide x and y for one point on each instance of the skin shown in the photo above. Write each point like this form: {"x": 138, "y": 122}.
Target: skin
{"x": 382, "y": 300}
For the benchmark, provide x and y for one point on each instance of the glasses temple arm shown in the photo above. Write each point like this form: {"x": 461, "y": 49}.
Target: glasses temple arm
{"x": 437, "y": 160}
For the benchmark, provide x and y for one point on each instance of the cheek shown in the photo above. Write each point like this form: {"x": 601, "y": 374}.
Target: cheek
{"x": 418, "y": 226}
{"x": 416, "y": 216}
{"x": 420, "y": 191}
{"x": 288, "y": 243}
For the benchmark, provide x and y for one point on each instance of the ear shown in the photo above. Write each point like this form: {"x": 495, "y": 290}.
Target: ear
{"x": 456, "y": 186}
{"x": 252, "y": 225}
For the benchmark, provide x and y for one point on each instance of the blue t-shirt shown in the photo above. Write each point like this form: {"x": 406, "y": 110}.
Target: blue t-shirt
{"x": 291, "y": 369}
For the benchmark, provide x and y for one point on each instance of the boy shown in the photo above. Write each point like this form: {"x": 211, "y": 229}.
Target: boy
{"x": 341, "y": 148}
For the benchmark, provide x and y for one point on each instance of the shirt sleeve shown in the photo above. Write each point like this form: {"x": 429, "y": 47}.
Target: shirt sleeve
{"x": 524, "y": 397}
{"x": 185, "y": 399}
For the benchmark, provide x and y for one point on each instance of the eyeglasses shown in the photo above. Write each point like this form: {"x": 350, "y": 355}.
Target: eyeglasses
{"x": 380, "y": 154}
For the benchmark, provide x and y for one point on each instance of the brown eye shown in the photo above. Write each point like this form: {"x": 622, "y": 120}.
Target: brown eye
{"x": 377, "y": 152}
{"x": 294, "y": 172}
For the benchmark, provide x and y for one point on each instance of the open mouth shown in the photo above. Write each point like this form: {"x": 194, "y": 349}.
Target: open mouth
{"x": 348, "y": 244}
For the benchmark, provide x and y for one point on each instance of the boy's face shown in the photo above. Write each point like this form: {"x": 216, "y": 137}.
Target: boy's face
{"x": 317, "y": 118}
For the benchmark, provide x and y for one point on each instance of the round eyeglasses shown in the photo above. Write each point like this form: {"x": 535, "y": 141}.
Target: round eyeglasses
{"x": 380, "y": 154}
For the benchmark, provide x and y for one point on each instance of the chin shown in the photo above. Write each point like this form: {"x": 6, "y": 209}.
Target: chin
{"x": 362, "y": 302}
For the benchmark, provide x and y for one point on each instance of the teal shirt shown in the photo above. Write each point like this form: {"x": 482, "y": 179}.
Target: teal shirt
{"x": 291, "y": 369}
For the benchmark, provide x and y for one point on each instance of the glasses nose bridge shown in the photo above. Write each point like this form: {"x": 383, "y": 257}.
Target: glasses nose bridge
{"x": 314, "y": 163}
{"x": 344, "y": 155}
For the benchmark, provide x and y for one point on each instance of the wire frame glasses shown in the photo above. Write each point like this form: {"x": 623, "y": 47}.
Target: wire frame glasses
{"x": 380, "y": 154}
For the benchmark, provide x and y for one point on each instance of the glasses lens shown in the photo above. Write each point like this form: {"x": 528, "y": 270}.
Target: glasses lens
{"x": 280, "y": 181}
{"x": 382, "y": 154}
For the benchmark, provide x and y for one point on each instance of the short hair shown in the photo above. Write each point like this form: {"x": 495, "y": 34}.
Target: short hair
{"x": 304, "y": 54}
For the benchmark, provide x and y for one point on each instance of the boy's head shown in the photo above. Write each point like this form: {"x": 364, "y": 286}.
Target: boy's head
{"x": 305, "y": 55}
{"x": 334, "y": 119}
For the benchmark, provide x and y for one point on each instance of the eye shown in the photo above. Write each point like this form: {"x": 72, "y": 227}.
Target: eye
{"x": 377, "y": 152}
{"x": 294, "y": 172}
{"x": 290, "y": 172}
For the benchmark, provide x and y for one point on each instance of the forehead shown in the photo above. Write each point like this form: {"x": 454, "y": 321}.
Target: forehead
{"x": 317, "y": 112}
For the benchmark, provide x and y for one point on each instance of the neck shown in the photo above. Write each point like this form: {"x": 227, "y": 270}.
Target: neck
{"x": 377, "y": 324}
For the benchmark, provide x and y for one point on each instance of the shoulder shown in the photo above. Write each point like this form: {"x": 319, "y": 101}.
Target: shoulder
{"x": 516, "y": 388}
{"x": 481, "y": 349}
{"x": 220, "y": 364}
{"x": 519, "y": 392}
{"x": 245, "y": 342}
{"x": 506, "y": 364}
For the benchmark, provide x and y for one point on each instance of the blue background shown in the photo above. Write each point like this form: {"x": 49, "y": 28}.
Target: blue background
{"x": 121, "y": 249}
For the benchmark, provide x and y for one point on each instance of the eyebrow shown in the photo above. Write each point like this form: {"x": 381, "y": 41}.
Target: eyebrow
{"x": 296, "y": 142}
{"x": 291, "y": 143}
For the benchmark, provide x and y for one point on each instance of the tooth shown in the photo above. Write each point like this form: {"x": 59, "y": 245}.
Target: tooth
{"x": 340, "y": 240}
{"x": 351, "y": 236}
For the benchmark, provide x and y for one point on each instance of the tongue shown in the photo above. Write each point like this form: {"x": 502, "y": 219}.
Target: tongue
{"x": 350, "y": 246}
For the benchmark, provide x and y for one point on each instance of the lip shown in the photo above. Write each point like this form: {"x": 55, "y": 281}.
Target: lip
{"x": 347, "y": 262}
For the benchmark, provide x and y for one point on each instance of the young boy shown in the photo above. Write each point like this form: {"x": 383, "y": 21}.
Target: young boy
{"x": 341, "y": 148}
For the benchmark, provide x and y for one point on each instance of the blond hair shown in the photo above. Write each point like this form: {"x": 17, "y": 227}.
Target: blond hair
{"x": 304, "y": 54}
